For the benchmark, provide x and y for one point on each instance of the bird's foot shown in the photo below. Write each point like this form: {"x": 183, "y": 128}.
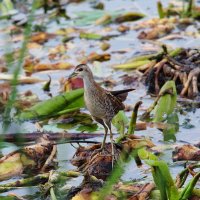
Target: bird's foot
{"x": 106, "y": 151}
{"x": 100, "y": 150}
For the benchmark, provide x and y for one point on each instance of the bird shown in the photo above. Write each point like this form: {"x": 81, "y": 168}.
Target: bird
{"x": 102, "y": 104}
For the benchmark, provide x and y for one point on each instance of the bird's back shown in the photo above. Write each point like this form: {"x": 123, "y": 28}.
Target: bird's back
{"x": 101, "y": 103}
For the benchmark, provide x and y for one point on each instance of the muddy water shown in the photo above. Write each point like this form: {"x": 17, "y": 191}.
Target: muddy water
{"x": 127, "y": 42}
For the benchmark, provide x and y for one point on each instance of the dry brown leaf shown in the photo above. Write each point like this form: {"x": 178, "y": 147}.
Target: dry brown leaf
{"x": 123, "y": 28}
{"x": 98, "y": 57}
{"x": 151, "y": 23}
{"x": 41, "y": 37}
{"x": 21, "y": 79}
{"x": 32, "y": 65}
{"x": 156, "y": 32}
{"x": 30, "y": 158}
{"x": 5, "y": 90}
{"x": 136, "y": 191}
{"x": 186, "y": 152}
{"x": 71, "y": 84}
{"x": 34, "y": 45}
{"x": 26, "y": 100}
{"x": 99, "y": 164}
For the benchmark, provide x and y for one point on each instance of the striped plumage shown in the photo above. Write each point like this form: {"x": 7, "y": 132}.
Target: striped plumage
{"x": 102, "y": 104}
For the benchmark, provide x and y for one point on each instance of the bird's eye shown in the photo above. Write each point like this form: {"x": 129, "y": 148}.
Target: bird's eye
{"x": 80, "y": 69}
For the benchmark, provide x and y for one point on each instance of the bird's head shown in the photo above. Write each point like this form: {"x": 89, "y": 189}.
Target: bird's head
{"x": 82, "y": 71}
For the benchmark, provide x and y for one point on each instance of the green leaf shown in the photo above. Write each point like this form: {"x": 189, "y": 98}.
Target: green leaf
{"x": 163, "y": 178}
{"x": 79, "y": 121}
{"x": 5, "y": 6}
{"x": 172, "y": 127}
{"x": 161, "y": 12}
{"x": 6, "y": 9}
{"x": 144, "y": 154}
{"x": 61, "y": 104}
{"x": 46, "y": 86}
{"x": 89, "y": 128}
{"x": 92, "y": 36}
{"x": 87, "y": 18}
{"x": 132, "y": 65}
{"x": 166, "y": 103}
{"x": 120, "y": 120}
{"x": 161, "y": 175}
{"x": 187, "y": 192}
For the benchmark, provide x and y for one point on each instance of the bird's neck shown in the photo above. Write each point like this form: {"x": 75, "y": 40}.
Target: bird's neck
{"x": 89, "y": 82}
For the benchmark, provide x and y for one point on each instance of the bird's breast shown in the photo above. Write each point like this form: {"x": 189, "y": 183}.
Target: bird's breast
{"x": 93, "y": 102}
{"x": 100, "y": 104}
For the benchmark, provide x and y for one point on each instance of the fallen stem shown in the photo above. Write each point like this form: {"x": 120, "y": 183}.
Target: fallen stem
{"x": 55, "y": 136}
{"x": 35, "y": 180}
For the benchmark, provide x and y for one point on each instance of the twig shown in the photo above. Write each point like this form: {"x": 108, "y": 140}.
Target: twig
{"x": 158, "y": 67}
{"x": 50, "y": 158}
{"x": 192, "y": 73}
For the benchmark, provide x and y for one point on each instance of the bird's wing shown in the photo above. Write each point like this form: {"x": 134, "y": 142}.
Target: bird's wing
{"x": 121, "y": 94}
{"x": 116, "y": 103}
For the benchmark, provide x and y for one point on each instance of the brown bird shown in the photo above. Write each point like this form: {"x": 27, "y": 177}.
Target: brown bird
{"x": 103, "y": 105}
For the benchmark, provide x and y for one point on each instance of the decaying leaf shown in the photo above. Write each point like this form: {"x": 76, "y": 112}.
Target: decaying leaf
{"x": 156, "y": 32}
{"x": 26, "y": 100}
{"x": 41, "y": 37}
{"x": 87, "y": 189}
{"x": 104, "y": 46}
{"x": 3, "y": 67}
{"x": 99, "y": 164}
{"x": 154, "y": 22}
{"x": 5, "y": 90}
{"x": 103, "y": 20}
{"x": 135, "y": 191}
{"x": 26, "y": 160}
{"x": 179, "y": 65}
{"x": 71, "y": 84}
{"x": 21, "y": 79}
{"x": 96, "y": 164}
{"x": 34, "y": 65}
{"x": 56, "y": 53}
{"x": 34, "y": 45}
{"x": 186, "y": 152}
{"x": 131, "y": 16}
{"x": 97, "y": 57}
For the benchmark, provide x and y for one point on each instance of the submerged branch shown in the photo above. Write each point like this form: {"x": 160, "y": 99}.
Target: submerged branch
{"x": 55, "y": 136}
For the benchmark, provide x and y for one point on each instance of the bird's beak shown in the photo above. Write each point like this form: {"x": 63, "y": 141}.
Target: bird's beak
{"x": 72, "y": 75}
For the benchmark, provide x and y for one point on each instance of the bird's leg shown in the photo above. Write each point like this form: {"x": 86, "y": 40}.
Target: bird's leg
{"x": 112, "y": 142}
{"x": 112, "y": 147}
{"x": 105, "y": 134}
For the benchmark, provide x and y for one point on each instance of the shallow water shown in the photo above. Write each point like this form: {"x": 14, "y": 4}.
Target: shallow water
{"x": 132, "y": 46}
